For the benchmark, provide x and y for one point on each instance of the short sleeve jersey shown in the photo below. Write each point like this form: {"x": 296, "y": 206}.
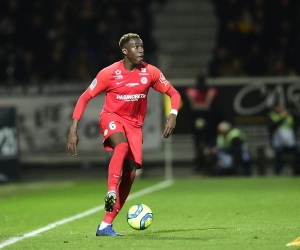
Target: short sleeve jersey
{"x": 126, "y": 92}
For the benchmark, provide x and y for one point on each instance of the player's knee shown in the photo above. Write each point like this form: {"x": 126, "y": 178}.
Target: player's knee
{"x": 129, "y": 166}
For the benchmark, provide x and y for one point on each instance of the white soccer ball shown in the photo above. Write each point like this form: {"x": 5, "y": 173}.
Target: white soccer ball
{"x": 139, "y": 216}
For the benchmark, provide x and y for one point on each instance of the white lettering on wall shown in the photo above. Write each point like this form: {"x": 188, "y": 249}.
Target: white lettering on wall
{"x": 8, "y": 142}
{"x": 266, "y": 97}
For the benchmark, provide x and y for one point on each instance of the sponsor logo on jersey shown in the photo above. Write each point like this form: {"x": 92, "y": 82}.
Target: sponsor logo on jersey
{"x": 143, "y": 72}
{"x": 93, "y": 84}
{"x": 144, "y": 80}
{"x": 163, "y": 79}
{"x": 131, "y": 98}
{"x": 118, "y": 74}
{"x": 119, "y": 82}
{"x": 132, "y": 84}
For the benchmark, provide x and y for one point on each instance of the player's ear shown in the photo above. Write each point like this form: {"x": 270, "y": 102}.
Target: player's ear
{"x": 124, "y": 51}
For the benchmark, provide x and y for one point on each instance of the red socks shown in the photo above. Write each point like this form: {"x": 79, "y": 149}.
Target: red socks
{"x": 114, "y": 176}
{"x": 122, "y": 194}
{"x": 116, "y": 165}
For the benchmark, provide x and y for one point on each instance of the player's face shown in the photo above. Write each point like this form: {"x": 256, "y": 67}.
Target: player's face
{"x": 134, "y": 50}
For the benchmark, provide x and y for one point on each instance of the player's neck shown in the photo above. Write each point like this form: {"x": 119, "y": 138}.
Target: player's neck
{"x": 129, "y": 66}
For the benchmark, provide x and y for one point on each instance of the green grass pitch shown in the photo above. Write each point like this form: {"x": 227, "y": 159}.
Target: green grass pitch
{"x": 211, "y": 213}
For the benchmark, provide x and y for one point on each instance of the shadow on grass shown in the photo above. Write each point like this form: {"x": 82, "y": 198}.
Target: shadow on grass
{"x": 162, "y": 234}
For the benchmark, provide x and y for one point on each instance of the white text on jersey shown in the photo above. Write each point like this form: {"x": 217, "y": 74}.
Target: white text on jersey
{"x": 128, "y": 98}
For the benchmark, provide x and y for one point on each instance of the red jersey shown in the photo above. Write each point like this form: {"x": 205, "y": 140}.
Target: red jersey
{"x": 200, "y": 96}
{"x": 126, "y": 92}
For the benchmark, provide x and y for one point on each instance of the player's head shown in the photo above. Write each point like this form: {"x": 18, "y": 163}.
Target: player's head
{"x": 132, "y": 48}
{"x": 224, "y": 127}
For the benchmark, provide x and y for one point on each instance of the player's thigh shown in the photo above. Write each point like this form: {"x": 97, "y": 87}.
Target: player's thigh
{"x": 135, "y": 141}
{"x": 116, "y": 138}
{"x": 112, "y": 130}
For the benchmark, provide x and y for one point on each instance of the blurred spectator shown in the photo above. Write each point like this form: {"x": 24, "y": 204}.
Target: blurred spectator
{"x": 281, "y": 126}
{"x": 255, "y": 62}
{"x": 25, "y": 67}
{"x": 100, "y": 42}
{"x": 220, "y": 61}
{"x": 230, "y": 151}
{"x": 227, "y": 9}
{"x": 83, "y": 66}
{"x": 82, "y": 60}
{"x": 259, "y": 33}
{"x": 278, "y": 68}
{"x": 55, "y": 71}
{"x": 52, "y": 38}
{"x": 10, "y": 56}
{"x": 245, "y": 27}
{"x": 201, "y": 101}
{"x": 234, "y": 69}
{"x": 245, "y": 22}
{"x": 113, "y": 18}
{"x": 271, "y": 26}
{"x": 229, "y": 37}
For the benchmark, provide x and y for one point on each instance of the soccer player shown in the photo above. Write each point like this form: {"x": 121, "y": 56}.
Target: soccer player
{"x": 126, "y": 84}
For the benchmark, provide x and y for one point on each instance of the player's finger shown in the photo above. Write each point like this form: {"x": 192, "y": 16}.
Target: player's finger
{"x": 163, "y": 134}
{"x": 68, "y": 148}
{"x": 75, "y": 150}
{"x": 71, "y": 149}
{"x": 167, "y": 132}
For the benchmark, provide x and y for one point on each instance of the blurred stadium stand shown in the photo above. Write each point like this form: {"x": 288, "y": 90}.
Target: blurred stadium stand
{"x": 185, "y": 32}
{"x": 58, "y": 41}
{"x": 256, "y": 38}
{"x": 63, "y": 40}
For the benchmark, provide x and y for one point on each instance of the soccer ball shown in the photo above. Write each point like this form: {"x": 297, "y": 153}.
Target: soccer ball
{"x": 139, "y": 216}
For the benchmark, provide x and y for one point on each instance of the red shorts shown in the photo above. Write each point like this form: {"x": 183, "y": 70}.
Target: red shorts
{"x": 111, "y": 123}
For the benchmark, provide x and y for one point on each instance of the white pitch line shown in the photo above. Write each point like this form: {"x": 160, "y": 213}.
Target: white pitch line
{"x": 142, "y": 192}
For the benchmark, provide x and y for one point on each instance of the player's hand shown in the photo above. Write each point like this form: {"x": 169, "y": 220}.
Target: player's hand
{"x": 72, "y": 142}
{"x": 170, "y": 125}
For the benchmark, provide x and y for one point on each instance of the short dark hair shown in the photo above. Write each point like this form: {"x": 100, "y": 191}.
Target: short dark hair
{"x": 125, "y": 38}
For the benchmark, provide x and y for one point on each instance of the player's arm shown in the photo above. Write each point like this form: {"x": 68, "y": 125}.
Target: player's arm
{"x": 175, "y": 99}
{"x": 161, "y": 84}
{"x": 97, "y": 86}
{"x": 72, "y": 139}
